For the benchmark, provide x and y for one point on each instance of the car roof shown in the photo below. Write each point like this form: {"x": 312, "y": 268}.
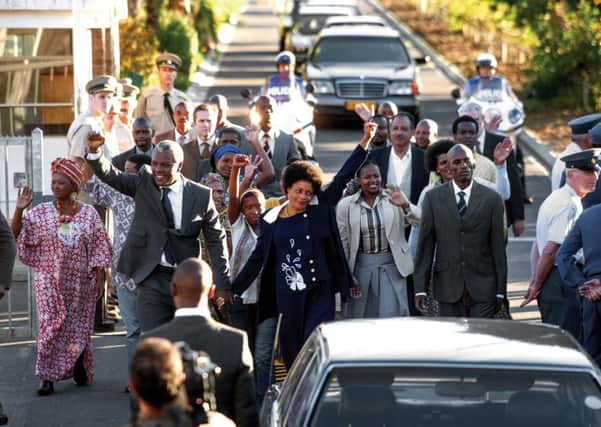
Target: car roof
{"x": 355, "y": 20}
{"x": 451, "y": 341}
{"x": 355, "y": 31}
{"x": 325, "y": 10}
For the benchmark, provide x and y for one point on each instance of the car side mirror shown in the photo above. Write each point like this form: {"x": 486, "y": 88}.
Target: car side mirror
{"x": 456, "y": 93}
{"x": 422, "y": 60}
{"x": 246, "y": 93}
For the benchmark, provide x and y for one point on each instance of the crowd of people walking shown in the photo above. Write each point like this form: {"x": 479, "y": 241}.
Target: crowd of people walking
{"x": 411, "y": 224}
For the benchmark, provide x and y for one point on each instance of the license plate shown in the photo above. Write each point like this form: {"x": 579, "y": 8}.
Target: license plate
{"x": 350, "y": 105}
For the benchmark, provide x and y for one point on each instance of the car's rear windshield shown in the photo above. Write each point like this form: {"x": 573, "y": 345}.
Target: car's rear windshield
{"x": 360, "y": 49}
{"x": 310, "y": 24}
{"x": 457, "y": 397}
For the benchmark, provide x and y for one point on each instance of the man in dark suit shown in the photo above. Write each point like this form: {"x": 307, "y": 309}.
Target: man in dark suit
{"x": 8, "y": 253}
{"x": 402, "y": 163}
{"x": 200, "y": 148}
{"x": 462, "y": 222}
{"x": 279, "y": 145}
{"x": 142, "y": 132}
{"x": 171, "y": 211}
{"x": 227, "y": 347}
{"x": 181, "y": 133}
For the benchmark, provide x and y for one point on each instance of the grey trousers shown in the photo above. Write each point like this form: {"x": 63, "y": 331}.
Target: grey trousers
{"x": 155, "y": 303}
{"x": 467, "y": 307}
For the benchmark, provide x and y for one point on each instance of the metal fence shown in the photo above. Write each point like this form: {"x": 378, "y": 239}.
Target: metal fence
{"x": 22, "y": 161}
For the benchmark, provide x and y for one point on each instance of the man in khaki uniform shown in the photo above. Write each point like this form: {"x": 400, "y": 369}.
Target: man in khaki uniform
{"x": 128, "y": 103}
{"x": 158, "y": 103}
{"x": 101, "y": 90}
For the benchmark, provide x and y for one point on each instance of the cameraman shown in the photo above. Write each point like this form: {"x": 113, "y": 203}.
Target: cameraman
{"x": 156, "y": 380}
{"x": 157, "y": 376}
{"x": 227, "y": 347}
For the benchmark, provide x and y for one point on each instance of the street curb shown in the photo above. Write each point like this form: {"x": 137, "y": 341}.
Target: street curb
{"x": 540, "y": 151}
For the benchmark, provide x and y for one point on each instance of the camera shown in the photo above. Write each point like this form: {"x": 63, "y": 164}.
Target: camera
{"x": 200, "y": 381}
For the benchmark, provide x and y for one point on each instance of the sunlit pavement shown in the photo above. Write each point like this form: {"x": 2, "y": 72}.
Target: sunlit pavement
{"x": 246, "y": 63}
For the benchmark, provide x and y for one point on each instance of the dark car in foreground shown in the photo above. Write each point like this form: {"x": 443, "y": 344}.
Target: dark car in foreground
{"x": 362, "y": 64}
{"x": 437, "y": 372}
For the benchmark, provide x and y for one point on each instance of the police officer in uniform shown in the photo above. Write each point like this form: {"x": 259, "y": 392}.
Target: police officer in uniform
{"x": 101, "y": 90}
{"x": 558, "y": 304}
{"x": 585, "y": 235}
{"x": 158, "y": 103}
{"x": 580, "y": 141}
{"x": 128, "y": 103}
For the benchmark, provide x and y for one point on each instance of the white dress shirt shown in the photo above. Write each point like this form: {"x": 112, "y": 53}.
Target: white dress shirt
{"x": 399, "y": 170}
{"x": 467, "y": 192}
{"x": 192, "y": 311}
{"x": 271, "y": 141}
{"x": 179, "y": 136}
{"x": 176, "y": 197}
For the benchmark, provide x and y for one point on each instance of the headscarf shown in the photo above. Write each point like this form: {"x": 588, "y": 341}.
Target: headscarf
{"x": 228, "y": 148}
{"x": 69, "y": 169}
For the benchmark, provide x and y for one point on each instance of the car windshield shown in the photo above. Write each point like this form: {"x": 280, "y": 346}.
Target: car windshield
{"x": 310, "y": 24}
{"x": 360, "y": 49}
{"x": 464, "y": 397}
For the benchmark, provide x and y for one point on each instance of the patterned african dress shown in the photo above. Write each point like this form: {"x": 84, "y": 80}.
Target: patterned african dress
{"x": 64, "y": 259}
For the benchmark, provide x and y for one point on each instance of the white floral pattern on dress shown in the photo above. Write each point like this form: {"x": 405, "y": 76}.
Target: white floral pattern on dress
{"x": 294, "y": 279}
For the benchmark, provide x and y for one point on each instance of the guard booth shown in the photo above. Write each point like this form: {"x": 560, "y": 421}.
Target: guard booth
{"x": 49, "y": 50}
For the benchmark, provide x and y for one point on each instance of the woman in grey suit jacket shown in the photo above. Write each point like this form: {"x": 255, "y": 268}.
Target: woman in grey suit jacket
{"x": 372, "y": 230}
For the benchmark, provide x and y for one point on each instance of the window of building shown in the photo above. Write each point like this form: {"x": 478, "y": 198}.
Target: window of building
{"x": 36, "y": 80}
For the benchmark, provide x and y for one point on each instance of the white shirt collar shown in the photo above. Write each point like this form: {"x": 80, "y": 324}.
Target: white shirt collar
{"x": 467, "y": 190}
{"x": 178, "y": 186}
{"x": 407, "y": 155}
{"x": 192, "y": 311}
{"x": 179, "y": 135}
{"x": 271, "y": 134}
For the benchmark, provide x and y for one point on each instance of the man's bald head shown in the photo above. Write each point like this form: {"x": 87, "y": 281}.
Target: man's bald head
{"x": 459, "y": 149}
{"x": 191, "y": 282}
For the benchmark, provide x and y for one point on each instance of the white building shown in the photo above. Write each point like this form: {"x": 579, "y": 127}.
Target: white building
{"x": 49, "y": 50}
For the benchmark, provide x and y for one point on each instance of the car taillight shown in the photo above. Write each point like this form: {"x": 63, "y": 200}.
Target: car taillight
{"x": 414, "y": 87}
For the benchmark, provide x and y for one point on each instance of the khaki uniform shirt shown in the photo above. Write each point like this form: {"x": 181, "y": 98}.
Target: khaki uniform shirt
{"x": 77, "y": 135}
{"x": 125, "y": 139}
{"x": 151, "y": 105}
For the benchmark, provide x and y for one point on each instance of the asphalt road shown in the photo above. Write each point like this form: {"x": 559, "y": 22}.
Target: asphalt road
{"x": 248, "y": 59}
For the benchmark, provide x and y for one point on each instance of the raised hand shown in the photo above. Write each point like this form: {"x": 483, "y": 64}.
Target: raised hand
{"x": 503, "y": 151}
{"x": 250, "y": 169}
{"x": 493, "y": 124}
{"x": 252, "y": 134}
{"x": 95, "y": 141}
{"x": 24, "y": 198}
{"x": 240, "y": 161}
{"x": 369, "y": 130}
{"x": 363, "y": 112}
{"x": 396, "y": 196}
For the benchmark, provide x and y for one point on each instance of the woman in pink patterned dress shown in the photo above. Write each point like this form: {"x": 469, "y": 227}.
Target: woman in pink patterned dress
{"x": 65, "y": 243}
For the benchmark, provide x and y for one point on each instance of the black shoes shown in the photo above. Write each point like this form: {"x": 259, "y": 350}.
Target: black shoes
{"x": 46, "y": 388}
{"x": 79, "y": 372}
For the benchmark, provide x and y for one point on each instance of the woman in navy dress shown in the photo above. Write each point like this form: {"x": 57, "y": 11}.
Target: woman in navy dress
{"x": 299, "y": 253}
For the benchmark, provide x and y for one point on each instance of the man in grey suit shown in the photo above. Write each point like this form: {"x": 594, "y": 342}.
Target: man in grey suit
{"x": 461, "y": 244}
{"x": 171, "y": 211}
{"x": 279, "y": 145}
{"x": 8, "y": 253}
{"x": 227, "y": 347}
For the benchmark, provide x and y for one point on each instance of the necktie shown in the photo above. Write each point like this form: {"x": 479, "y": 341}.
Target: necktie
{"x": 169, "y": 255}
{"x": 266, "y": 147}
{"x": 181, "y": 140}
{"x": 205, "y": 151}
{"x": 168, "y": 108}
{"x": 461, "y": 205}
